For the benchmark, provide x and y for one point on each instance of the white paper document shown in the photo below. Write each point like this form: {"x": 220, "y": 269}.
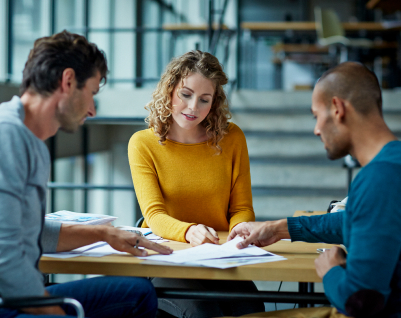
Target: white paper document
{"x": 97, "y": 249}
{"x": 147, "y": 232}
{"x": 209, "y": 255}
{"x": 69, "y": 217}
{"x": 218, "y": 256}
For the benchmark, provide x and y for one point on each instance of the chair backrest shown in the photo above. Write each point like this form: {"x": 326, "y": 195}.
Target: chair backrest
{"x": 327, "y": 23}
{"x": 139, "y": 222}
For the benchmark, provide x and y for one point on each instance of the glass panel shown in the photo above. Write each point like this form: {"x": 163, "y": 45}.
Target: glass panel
{"x": 29, "y": 23}
{"x": 69, "y": 15}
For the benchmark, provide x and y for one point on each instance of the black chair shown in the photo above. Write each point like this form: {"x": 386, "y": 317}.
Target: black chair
{"x": 23, "y": 302}
{"x": 139, "y": 222}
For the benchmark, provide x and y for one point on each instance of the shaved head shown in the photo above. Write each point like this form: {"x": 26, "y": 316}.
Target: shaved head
{"x": 355, "y": 83}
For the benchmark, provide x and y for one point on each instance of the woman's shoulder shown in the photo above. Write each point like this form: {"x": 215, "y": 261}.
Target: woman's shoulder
{"x": 234, "y": 132}
{"x": 143, "y": 137}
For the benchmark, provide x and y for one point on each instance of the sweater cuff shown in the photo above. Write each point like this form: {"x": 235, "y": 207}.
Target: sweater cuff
{"x": 50, "y": 235}
{"x": 183, "y": 238}
{"x": 295, "y": 229}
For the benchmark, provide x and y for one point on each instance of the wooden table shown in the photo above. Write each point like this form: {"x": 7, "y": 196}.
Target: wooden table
{"x": 299, "y": 267}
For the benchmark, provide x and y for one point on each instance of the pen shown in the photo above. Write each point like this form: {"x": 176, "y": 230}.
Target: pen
{"x": 147, "y": 233}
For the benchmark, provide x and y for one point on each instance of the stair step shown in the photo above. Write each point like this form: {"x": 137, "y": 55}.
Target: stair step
{"x": 290, "y": 110}
{"x": 297, "y": 175}
{"x": 273, "y": 123}
{"x": 299, "y": 160}
{"x": 279, "y": 134}
{"x": 279, "y": 207}
{"x": 258, "y": 191}
{"x": 294, "y": 123}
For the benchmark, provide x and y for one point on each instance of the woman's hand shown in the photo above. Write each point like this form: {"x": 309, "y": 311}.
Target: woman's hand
{"x": 200, "y": 234}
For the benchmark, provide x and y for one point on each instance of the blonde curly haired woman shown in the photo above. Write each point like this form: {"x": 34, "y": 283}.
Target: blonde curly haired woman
{"x": 191, "y": 172}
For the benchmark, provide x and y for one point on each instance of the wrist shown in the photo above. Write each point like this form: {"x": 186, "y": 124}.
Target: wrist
{"x": 280, "y": 228}
{"x": 189, "y": 233}
{"x": 102, "y": 232}
{"x": 237, "y": 225}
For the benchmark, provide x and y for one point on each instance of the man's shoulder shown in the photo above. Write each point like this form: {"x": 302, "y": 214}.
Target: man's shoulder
{"x": 10, "y": 111}
{"x": 386, "y": 165}
{"x": 390, "y": 154}
{"x": 381, "y": 178}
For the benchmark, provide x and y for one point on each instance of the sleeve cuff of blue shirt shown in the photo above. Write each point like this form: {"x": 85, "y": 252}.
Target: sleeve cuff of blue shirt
{"x": 295, "y": 229}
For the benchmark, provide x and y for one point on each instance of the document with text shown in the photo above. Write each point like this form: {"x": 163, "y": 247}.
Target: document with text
{"x": 218, "y": 256}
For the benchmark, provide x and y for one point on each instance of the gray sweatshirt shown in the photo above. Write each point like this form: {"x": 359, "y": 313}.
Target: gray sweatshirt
{"x": 24, "y": 235}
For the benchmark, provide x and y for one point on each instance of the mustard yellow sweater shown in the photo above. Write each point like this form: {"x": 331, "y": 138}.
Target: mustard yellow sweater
{"x": 179, "y": 185}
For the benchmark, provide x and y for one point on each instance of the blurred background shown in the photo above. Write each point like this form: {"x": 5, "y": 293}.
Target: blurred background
{"x": 273, "y": 52}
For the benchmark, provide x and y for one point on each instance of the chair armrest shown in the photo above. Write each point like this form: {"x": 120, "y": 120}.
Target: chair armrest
{"x": 40, "y": 301}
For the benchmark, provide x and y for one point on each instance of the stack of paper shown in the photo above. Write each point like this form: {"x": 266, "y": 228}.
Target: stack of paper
{"x": 219, "y": 256}
{"x": 146, "y": 232}
{"x": 97, "y": 249}
{"x": 209, "y": 255}
{"x": 79, "y": 218}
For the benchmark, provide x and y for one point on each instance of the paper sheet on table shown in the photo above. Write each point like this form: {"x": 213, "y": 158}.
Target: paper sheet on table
{"x": 235, "y": 261}
{"x": 151, "y": 237}
{"x": 212, "y": 252}
{"x": 97, "y": 249}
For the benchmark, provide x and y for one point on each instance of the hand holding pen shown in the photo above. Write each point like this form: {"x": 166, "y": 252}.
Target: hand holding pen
{"x": 200, "y": 234}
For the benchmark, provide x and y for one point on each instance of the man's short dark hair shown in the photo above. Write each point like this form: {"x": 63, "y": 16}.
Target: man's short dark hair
{"x": 355, "y": 83}
{"x": 51, "y": 55}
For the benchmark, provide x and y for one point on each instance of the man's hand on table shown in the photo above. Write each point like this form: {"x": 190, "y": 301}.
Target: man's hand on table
{"x": 200, "y": 234}
{"x": 260, "y": 233}
{"x": 335, "y": 256}
{"x": 76, "y": 235}
{"x": 128, "y": 242}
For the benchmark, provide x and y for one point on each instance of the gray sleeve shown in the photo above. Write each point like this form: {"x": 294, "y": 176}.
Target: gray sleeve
{"x": 50, "y": 236}
{"x": 18, "y": 274}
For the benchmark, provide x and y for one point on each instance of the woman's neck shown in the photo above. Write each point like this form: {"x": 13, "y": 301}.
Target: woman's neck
{"x": 193, "y": 136}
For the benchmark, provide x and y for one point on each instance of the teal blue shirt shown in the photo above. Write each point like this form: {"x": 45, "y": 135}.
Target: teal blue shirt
{"x": 370, "y": 229}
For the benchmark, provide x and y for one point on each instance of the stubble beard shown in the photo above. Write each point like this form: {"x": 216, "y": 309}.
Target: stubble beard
{"x": 68, "y": 120}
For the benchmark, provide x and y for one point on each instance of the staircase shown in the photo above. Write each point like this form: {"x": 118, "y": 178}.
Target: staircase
{"x": 289, "y": 167}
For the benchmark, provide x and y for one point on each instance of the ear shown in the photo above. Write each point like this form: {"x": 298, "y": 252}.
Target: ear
{"x": 338, "y": 108}
{"x": 68, "y": 81}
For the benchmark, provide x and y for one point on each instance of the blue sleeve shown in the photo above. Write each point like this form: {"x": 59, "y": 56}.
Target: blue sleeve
{"x": 325, "y": 228}
{"x": 18, "y": 275}
{"x": 374, "y": 244}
